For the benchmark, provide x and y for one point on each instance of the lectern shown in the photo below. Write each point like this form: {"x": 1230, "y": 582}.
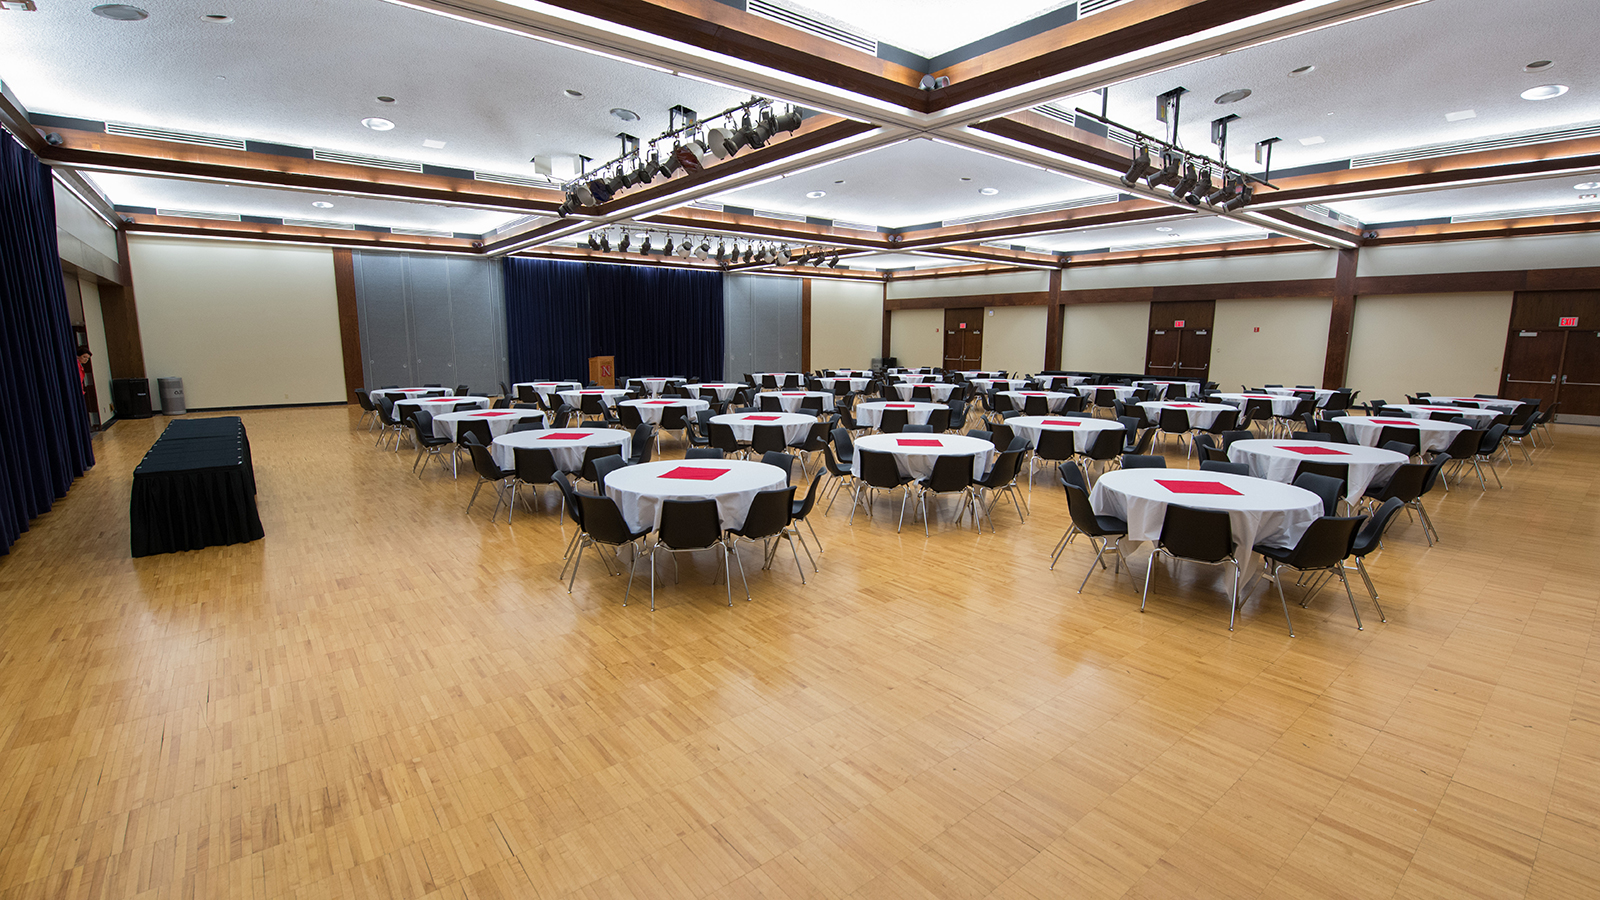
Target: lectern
{"x": 603, "y": 370}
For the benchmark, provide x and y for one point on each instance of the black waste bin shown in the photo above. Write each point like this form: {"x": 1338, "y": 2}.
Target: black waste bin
{"x": 131, "y": 397}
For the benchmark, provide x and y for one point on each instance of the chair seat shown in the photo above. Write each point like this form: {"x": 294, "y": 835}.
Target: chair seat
{"x": 1279, "y": 554}
{"x": 1111, "y": 524}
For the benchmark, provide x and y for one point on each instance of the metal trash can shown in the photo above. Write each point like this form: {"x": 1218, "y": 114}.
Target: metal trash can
{"x": 171, "y": 396}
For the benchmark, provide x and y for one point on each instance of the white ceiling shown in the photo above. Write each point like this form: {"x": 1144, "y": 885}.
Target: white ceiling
{"x": 882, "y": 261}
{"x": 200, "y": 196}
{"x": 913, "y": 183}
{"x": 1493, "y": 198}
{"x": 1126, "y": 237}
{"x": 931, "y": 27}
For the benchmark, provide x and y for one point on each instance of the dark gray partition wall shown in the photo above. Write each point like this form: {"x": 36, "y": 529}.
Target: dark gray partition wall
{"x": 761, "y": 324}
{"x": 429, "y": 318}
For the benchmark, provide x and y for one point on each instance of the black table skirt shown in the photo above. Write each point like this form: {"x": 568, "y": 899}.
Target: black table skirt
{"x": 195, "y": 488}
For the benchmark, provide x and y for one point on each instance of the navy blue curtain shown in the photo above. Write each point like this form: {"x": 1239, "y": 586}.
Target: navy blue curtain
{"x": 655, "y": 321}
{"x": 47, "y": 445}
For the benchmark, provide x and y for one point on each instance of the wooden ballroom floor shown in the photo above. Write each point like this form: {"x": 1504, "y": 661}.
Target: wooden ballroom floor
{"x": 387, "y": 698}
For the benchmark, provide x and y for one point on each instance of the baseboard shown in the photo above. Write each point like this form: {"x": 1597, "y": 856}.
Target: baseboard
{"x": 1566, "y": 419}
{"x": 204, "y": 409}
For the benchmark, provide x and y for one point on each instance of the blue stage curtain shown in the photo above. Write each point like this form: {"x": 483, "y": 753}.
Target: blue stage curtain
{"x": 47, "y": 441}
{"x": 655, "y": 321}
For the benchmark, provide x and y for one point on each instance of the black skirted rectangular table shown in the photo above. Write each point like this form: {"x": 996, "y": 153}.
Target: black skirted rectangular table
{"x": 196, "y": 487}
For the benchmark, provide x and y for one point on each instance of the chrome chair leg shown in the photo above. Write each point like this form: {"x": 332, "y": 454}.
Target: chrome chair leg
{"x": 1360, "y": 567}
{"x": 1339, "y": 568}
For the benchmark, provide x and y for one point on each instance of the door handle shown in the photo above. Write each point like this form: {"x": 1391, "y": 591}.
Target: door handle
{"x": 1510, "y": 380}
{"x": 1579, "y": 383}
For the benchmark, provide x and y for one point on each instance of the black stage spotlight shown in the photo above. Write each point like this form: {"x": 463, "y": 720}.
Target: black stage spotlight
{"x": 605, "y": 243}
{"x": 580, "y": 192}
{"x": 1187, "y": 182}
{"x": 567, "y": 206}
{"x": 749, "y": 136}
{"x": 1223, "y": 190}
{"x": 1240, "y": 198}
{"x": 1139, "y": 166}
{"x": 644, "y": 248}
{"x": 622, "y": 244}
{"x": 618, "y": 182}
{"x": 703, "y": 251}
{"x": 594, "y": 242}
{"x": 789, "y": 121}
{"x": 722, "y": 252}
{"x": 1168, "y": 173}
{"x": 834, "y": 263}
{"x": 749, "y": 252}
{"x": 1201, "y": 189}
{"x": 783, "y": 255}
{"x": 685, "y": 248}
{"x": 600, "y": 190}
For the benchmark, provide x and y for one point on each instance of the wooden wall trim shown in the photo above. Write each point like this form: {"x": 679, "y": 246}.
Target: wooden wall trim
{"x": 1244, "y": 290}
{"x": 888, "y": 320}
{"x": 805, "y": 324}
{"x": 1052, "y": 324}
{"x": 1029, "y": 298}
{"x": 1570, "y": 279}
{"x": 120, "y": 313}
{"x": 1337, "y": 359}
{"x": 344, "y": 286}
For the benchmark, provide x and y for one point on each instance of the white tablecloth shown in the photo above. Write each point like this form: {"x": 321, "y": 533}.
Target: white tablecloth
{"x": 940, "y": 392}
{"x": 573, "y": 398}
{"x": 1160, "y": 388}
{"x": 1263, "y": 512}
{"x": 1278, "y": 460}
{"x": 566, "y": 444}
{"x": 721, "y": 390}
{"x": 1281, "y": 405}
{"x": 398, "y": 394}
{"x": 1486, "y": 402}
{"x": 1010, "y": 384}
{"x": 1322, "y": 393}
{"x": 857, "y": 383}
{"x": 916, "y": 458}
{"x": 870, "y": 413}
{"x": 905, "y": 370}
{"x": 640, "y": 490}
{"x": 1435, "y": 435}
{"x": 790, "y": 400}
{"x": 1048, "y": 380}
{"x": 656, "y": 385}
{"x": 797, "y": 379}
{"x": 500, "y": 420}
{"x": 983, "y": 373}
{"x": 795, "y": 425}
{"x": 1123, "y": 391}
{"x": 1480, "y": 418}
{"x": 1056, "y": 399}
{"x": 849, "y": 373}
{"x": 650, "y": 410}
{"x": 438, "y": 405}
{"x": 1201, "y": 415}
{"x": 915, "y": 378}
{"x": 546, "y": 388}
{"x": 1084, "y": 431}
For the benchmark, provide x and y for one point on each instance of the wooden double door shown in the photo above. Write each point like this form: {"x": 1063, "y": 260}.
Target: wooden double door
{"x": 1179, "y": 345}
{"x": 1550, "y": 361}
{"x": 963, "y": 339}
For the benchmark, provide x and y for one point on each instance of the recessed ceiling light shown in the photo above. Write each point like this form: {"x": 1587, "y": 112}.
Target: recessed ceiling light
{"x": 1586, "y": 186}
{"x": 1461, "y": 115}
{"x": 988, "y": 192}
{"x": 217, "y": 19}
{"x": 572, "y": 93}
{"x": 433, "y": 145}
{"x": 1544, "y": 92}
{"x": 1538, "y": 65}
{"x": 1303, "y": 70}
{"x": 1163, "y": 228}
{"x": 385, "y": 99}
{"x": 377, "y": 124}
{"x": 626, "y": 115}
{"x": 322, "y": 204}
{"x": 1233, "y": 96}
{"x": 121, "y": 12}
{"x": 1312, "y": 141}
{"x": 816, "y": 195}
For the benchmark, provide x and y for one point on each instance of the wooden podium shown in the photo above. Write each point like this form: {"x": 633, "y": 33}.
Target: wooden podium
{"x": 603, "y": 370}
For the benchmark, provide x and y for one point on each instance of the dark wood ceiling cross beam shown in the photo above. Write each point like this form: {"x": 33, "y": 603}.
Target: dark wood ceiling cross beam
{"x": 758, "y": 227}
{"x": 1509, "y": 164}
{"x": 1467, "y": 231}
{"x": 289, "y": 234}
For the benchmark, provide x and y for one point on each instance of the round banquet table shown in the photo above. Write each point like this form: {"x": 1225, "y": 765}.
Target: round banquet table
{"x": 640, "y": 490}
{"x": 1259, "y": 511}
{"x": 437, "y": 405}
{"x": 849, "y": 373}
{"x": 909, "y": 370}
{"x": 871, "y": 413}
{"x": 915, "y": 453}
{"x": 790, "y": 400}
{"x": 1055, "y": 399}
{"x": 1012, "y": 384}
{"x": 857, "y": 382}
{"x": 500, "y": 420}
{"x": 1123, "y": 391}
{"x": 940, "y": 392}
{"x": 1485, "y": 402}
{"x": 916, "y": 378}
{"x": 1435, "y": 435}
{"x": 567, "y": 445}
{"x": 574, "y": 398}
{"x": 546, "y": 388}
{"x": 1480, "y": 418}
{"x": 1281, "y": 405}
{"x": 1201, "y": 415}
{"x": 795, "y": 425}
{"x": 398, "y": 394}
{"x": 1322, "y": 393}
{"x": 1160, "y": 387}
{"x": 781, "y": 378}
{"x": 972, "y": 374}
{"x": 1084, "y": 430}
{"x": 1278, "y": 460}
{"x": 650, "y": 410}
{"x": 656, "y": 385}
{"x": 721, "y": 390}
{"x": 1052, "y": 380}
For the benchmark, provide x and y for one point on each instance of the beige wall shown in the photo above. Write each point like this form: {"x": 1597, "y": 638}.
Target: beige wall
{"x": 1440, "y": 343}
{"x": 1007, "y": 283}
{"x": 1014, "y": 338}
{"x": 1104, "y": 337}
{"x": 1290, "y": 348}
{"x": 846, "y": 323}
{"x": 94, "y": 325}
{"x": 1224, "y": 270}
{"x": 916, "y": 337}
{"x": 1493, "y": 255}
{"x": 244, "y": 324}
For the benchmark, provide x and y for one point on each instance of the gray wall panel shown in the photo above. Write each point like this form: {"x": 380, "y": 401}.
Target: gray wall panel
{"x": 381, "y": 305}
{"x": 762, "y": 324}
{"x": 431, "y": 318}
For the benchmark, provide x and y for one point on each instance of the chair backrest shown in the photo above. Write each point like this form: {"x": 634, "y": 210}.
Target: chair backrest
{"x": 1205, "y": 442}
{"x": 781, "y": 460}
{"x": 1257, "y": 410}
{"x": 643, "y": 442}
{"x": 723, "y": 438}
{"x": 939, "y": 420}
{"x": 604, "y": 466}
{"x": 1325, "y": 542}
{"x": 877, "y": 469}
{"x": 1072, "y": 404}
{"x": 1055, "y": 445}
{"x": 591, "y": 405}
{"x": 422, "y": 421}
{"x": 1325, "y": 481}
{"x": 1400, "y": 434}
{"x": 629, "y": 415}
{"x": 770, "y": 403}
{"x": 1200, "y": 534}
{"x": 1313, "y": 436}
{"x": 592, "y": 453}
{"x": 1072, "y": 474}
{"x": 1035, "y": 406}
{"x": 603, "y": 521}
{"x": 703, "y": 453}
{"x": 483, "y": 462}
{"x": 462, "y": 390}
{"x": 574, "y": 511}
{"x": 689, "y": 524}
{"x": 1406, "y": 483}
{"x": 1432, "y": 476}
{"x": 1333, "y": 430}
{"x": 769, "y": 382}
{"x": 922, "y": 392}
{"x": 803, "y": 508}
{"x": 768, "y": 437}
{"x": 1465, "y": 443}
{"x": 478, "y": 428}
{"x": 1492, "y": 438}
{"x": 1142, "y": 461}
{"x": 534, "y": 465}
{"x": 891, "y": 421}
{"x": 1231, "y": 468}
{"x": 924, "y": 428}
{"x": 769, "y": 513}
{"x": 1104, "y": 397}
{"x": 812, "y": 405}
{"x": 1173, "y": 421}
{"x": 363, "y": 398}
{"x": 1107, "y": 444}
{"x": 1366, "y": 540}
{"x": 950, "y": 473}
{"x": 1226, "y": 420}
{"x": 1005, "y": 469}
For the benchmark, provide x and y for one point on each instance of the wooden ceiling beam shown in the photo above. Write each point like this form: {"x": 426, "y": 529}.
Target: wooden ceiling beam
{"x": 179, "y": 226}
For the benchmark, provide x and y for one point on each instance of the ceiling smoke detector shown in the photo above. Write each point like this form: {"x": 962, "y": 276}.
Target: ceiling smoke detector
{"x": 1233, "y": 96}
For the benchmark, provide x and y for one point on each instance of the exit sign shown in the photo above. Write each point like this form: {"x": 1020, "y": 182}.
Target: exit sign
{"x": 1178, "y": 323}
{"x": 1569, "y": 322}
{"x": 1574, "y": 321}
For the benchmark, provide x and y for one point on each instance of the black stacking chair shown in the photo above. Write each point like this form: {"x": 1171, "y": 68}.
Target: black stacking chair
{"x": 1229, "y": 468}
{"x": 950, "y": 475}
{"x": 768, "y": 520}
{"x": 800, "y": 512}
{"x": 369, "y": 410}
{"x": 602, "y": 523}
{"x": 840, "y": 472}
{"x": 1200, "y": 535}
{"x": 891, "y": 421}
{"x": 1092, "y": 526}
{"x": 1105, "y": 448}
{"x": 1463, "y": 450}
{"x": 1053, "y": 446}
{"x": 703, "y": 453}
{"x": 628, "y": 417}
{"x": 1142, "y": 461}
{"x": 1002, "y": 479}
{"x": 723, "y": 438}
{"x": 1176, "y": 422}
{"x": 428, "y": 445}
{"x": 768, "y": 438}
{"x": 1399, "y": 434}
{"x": 1313, "y": 436}
{"x": 643, "y": 441}
{"x": 877, "y": 471}
{"x": 534, "y": 466}
{"x": 688, "y": 526}
{"x": 1407, "y": 485}
{"x": 1036, "y": 406}
{"x": 1327, "y": 480}
{"x": 489, "y": 472}
{"x": 462, "y": 390}
{"x": 586, "y": 470}
{"x": 1370, "y": 538}
{"x": 1322, "y": 548}
{"x": 604, "y": 466}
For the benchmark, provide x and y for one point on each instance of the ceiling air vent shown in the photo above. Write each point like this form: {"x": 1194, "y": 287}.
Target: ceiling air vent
{"x": 314, "y": 223}
{"x": 371, "y": 162}
{"x": 1090, "y": 7}
{"x": 710, "y": 205}
{"x": 423, "y": 232}
{"x": 1031, "y": 210}
{"x": 1533, "y": 212}
{"x": 812, "y": 23}
{"x": 539, "y": 181}
{"x": 854, "y": 226}
{"x": 176, "y": 137}
{"x": 196, "y": 214}
{"x": 1052, "y": 111}
{"x": 1521, "y": 139}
